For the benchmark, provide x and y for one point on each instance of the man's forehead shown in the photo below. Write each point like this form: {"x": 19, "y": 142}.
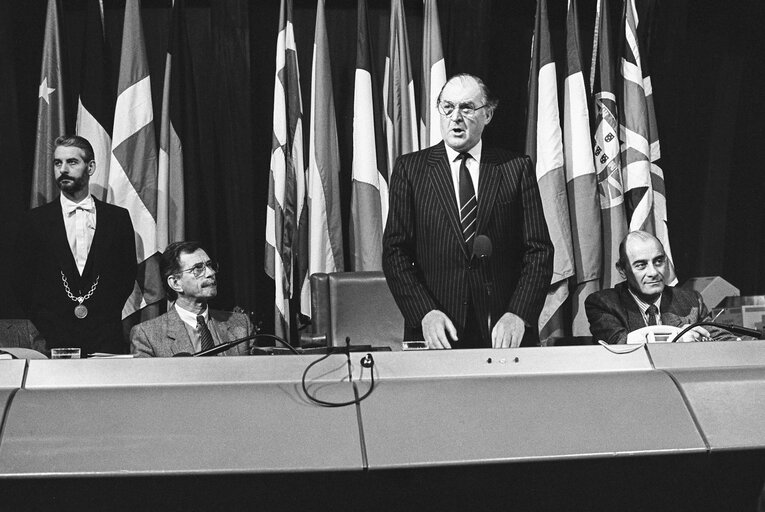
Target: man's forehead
{"x": 462, "y": 89}
{"x": 644, "y": 249}
{"x": 192, "y": 258}
{"x": 65, "y": 152}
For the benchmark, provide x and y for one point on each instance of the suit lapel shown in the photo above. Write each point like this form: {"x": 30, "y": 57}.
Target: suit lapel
{"x": 488, "y": 184}
{"x": 100, "y": 237}
{"x": 221, "y": 328}
{"x": 440, "y": 174}
{"x": 61, "y": 249}
{"x": 176, "y": 336}
{"x": 635, "y": 318}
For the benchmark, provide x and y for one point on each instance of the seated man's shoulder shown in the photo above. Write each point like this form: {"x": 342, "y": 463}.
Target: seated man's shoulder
{"x": 228, "y": 316}
{"x": 606, "y": 296}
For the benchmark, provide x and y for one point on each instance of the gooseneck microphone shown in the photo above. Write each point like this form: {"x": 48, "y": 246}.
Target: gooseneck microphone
{"x": 217, "y": 349}
{"x": 735, "y": 329}
{"x": 482, "y": 249}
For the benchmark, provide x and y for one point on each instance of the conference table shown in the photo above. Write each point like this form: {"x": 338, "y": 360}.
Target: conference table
{"x": 662, "y": 426}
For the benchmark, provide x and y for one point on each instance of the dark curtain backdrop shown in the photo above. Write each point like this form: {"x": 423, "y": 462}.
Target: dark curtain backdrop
{"x": 706, "y": 61}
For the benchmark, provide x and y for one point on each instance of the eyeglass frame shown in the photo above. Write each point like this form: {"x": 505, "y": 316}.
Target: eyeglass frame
{"x": 196, "y": 269}
{"x": 459, "y": 107}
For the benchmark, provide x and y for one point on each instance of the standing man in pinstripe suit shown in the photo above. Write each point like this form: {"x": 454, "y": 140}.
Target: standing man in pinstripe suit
{"x": 441, "y": 199}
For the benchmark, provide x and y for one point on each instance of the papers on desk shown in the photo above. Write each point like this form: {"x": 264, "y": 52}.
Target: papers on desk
{"x": 103, "y": 355}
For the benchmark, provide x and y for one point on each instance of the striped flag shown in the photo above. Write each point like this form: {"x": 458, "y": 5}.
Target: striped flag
{"x": 584, "y": 204}
{"x": 398, "y": 89}
{"x": 369, "y": 194}
{"x": 95, "y": 109}
{"x": 133, "y": 167}
{"x": 606, "y": 145}
{"x": 657, "y": 174}
{"x": 433, "y": 76}
{"x": 544, "y": 144}
{"x": 178, "y": 132}
{"x": 325, "y": 229}
{"x": 634, "y": 130}
{"x": 286, "y": 259}
{"x": 50, "y": 111}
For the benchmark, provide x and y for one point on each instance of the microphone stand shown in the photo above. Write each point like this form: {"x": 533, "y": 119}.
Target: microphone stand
{"x": 735, "y": 329}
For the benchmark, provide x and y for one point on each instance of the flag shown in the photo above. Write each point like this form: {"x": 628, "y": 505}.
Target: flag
{"x": 325, "y": 229}
{"x": 657, "y": 174}
{"x": 286, "y": 215}
{"x": 95, "y": 108}
{"x": 369, "y": 193}
{"x": 584, "y": 204}
{"x": 433, "y": 76}
{"x": 544, "y": 144}
{"x": 633, "y": 130}
{"x": 398, "y": 88}
{"x": 50, "y": 111}
{"x": 178, "y": 132}
{"x": 133, "y": 168}
{"x": 606, "y": 145}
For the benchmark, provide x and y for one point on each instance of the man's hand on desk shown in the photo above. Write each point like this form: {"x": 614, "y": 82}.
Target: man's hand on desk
{"x": 437, "y": 329}
{"x": 698, "y": 333}
{"x": 508, "y": 331}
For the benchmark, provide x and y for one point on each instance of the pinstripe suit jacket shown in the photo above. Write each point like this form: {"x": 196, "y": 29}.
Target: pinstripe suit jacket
{"x": 426, "y": 261}
{"x": 166, "y": 335}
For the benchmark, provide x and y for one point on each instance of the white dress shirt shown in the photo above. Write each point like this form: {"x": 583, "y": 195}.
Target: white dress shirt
{"x": 80, "y": 224}
{"x": 473, "y": 164}
{"x": 643, "y": 305}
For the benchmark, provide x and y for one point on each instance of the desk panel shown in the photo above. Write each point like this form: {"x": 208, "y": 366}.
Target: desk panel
{"x": 467, "y": 420}
{"x": 716, "y": 354}
{"x": 12, "y": 373}
{"x": 177, "y": 430}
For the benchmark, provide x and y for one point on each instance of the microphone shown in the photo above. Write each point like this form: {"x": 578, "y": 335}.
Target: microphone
{"x": 482, "y": 249}
{"x": 217, "y": 349}
{"x": 735, "y": 329}
{"x": 182, "y": 354}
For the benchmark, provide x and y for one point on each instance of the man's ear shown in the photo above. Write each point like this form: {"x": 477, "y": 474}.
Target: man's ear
{"x": 489, "y": 115}
{"x": 620, "y": 268}
{"x": 91, "y": 167}
{"x": 174, "y": 284}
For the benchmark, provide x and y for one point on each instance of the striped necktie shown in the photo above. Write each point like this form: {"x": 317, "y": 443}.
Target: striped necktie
{"x": 652, "y": 314}
{"x": 205, "y": 336}
{"x": 468, "y": 202}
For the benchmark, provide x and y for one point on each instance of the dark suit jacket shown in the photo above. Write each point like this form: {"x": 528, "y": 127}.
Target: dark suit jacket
{"x": 42, "y": 252}
{"x": 613, "y": 313}
{"x": 426, "y": 261}
{"x": 166, "y": 335}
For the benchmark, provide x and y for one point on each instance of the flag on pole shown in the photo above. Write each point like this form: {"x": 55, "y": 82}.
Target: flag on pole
{"x": 325, "y": 229}
{"x": 544, "y": 144}
{"x": 634, "y": 131}
{"x": 606, "y": 145}
{"x": 369, "y": 194}
{"x": 133, "y": 167}
{"x": 398, "y": 86}
{"x": 50, "y": 111}
{"x": 433, "y": 76}
{"x": 178, "y": 132}
{"x": 286, "y": 259}
{"x": 657, "y": 174}
{"x": 584, "y": 204}
{"x": 95, "y": 109}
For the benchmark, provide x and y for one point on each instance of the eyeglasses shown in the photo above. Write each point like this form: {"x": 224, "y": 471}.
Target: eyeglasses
{"x": 447, "y": 108}
{"x": 198, "y": 270}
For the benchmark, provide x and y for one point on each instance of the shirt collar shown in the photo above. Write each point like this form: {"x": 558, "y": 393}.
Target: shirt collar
{"x": 643, "y": 305}
{"x": 68, "y": 206}
{"x": 475, "y": 152}
{"x": 191, "y": 318}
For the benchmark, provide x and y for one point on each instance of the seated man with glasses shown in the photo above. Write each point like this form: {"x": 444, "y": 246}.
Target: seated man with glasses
{"x": 189, "y": 326}
{"x": 445, "y": 198}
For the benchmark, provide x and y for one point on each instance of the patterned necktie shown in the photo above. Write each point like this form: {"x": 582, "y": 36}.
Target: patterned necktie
{"x": 204, "y": 333}
{"x": 652, "y": 311}
{"x": 468, "y": 202}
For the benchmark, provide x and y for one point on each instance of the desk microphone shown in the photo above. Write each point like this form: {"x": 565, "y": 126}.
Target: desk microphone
{"x": 482, "y": 249}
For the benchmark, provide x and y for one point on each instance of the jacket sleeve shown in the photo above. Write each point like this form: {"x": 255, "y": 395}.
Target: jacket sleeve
{"x": 140, "y": 346}
{"x": 605, "y": 323}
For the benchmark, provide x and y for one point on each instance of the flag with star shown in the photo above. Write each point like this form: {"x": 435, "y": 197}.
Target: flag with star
{"x": 544, "y": 144}
{"x": 50, "y": 111}
{"x": 433, "y": 76}
{"x": 95, "y": 109}
{"x": 286, "y": 258}
{"x": 369, "y": 195}
{"x": 606, "y": 144}
{"x": 133, "y": 168}
{"x": 398, "y": 89}
{"x": 325, "y": 228}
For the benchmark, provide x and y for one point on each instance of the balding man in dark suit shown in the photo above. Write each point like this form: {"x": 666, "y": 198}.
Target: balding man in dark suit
{"x": 441, "y": 199}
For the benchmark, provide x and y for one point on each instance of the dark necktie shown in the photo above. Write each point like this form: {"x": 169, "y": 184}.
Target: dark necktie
{"x": 204, "y": 334}
{"x": 652, "y": 314}
{"x": 468, "y": 202}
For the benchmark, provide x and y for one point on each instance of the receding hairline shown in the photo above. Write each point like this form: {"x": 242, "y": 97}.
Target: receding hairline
{"x": 643, "y": 236}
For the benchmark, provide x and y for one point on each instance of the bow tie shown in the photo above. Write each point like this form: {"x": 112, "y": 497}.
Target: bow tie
{"x": 85, "y": 208}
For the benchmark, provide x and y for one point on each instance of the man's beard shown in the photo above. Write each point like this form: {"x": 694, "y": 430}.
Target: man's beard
{"x": 73, "y": 185}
